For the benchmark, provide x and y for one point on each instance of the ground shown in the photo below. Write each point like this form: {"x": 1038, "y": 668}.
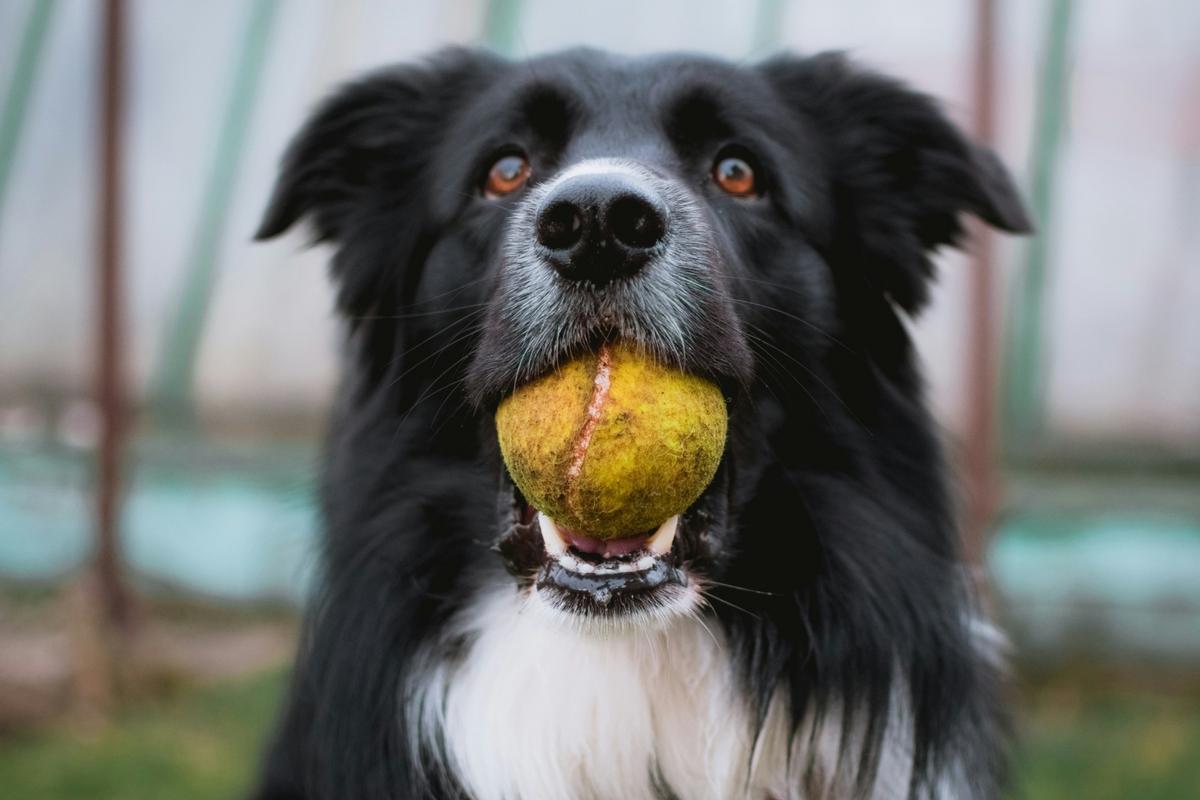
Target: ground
{"x": 193, "y": 744}
{"x": 197, "y": 743}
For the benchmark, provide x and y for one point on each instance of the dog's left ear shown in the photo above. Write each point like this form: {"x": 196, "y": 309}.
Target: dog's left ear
{"x": 902, "y": 172}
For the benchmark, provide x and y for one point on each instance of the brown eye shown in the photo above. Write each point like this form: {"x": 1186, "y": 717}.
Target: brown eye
{"x": 735, "y": 176}
{"x": 506, "y": 176}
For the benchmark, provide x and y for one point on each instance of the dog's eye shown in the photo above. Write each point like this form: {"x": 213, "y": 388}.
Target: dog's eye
{"x": 508, "y": 174}
{"x": 735, "y": 176}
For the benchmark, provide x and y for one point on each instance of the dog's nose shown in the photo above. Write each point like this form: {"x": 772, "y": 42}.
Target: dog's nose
{"x": 599, "y": 228}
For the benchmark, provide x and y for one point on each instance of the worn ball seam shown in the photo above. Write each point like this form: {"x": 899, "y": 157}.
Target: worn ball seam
{"x": 601, "y": 385}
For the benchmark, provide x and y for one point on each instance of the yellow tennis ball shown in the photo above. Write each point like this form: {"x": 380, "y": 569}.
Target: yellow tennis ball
{"x": 612, "y": 444}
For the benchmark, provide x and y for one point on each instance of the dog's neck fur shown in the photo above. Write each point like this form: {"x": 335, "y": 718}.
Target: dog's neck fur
{"x": 535, "y": 710}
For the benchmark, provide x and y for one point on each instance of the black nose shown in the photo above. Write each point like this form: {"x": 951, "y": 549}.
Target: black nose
{"x": 599, "y": 228}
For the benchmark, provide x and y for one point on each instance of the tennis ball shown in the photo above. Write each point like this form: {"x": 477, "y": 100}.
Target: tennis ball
{"x": 612, "y": 444}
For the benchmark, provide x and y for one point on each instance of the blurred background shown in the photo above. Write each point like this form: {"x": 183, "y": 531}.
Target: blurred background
{"x": 163, "y": 381}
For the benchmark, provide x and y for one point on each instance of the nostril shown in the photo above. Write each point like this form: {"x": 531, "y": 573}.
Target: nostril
{"x": 560, "y": 226}
{"x": 635, "y": 223}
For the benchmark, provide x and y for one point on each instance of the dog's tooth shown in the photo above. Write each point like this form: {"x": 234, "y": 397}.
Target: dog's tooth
{"x": 660, "y": 543}
{"x": 645, "y": 562}
{"x": 584, "y": 567}
{"x": 556, "y": 545}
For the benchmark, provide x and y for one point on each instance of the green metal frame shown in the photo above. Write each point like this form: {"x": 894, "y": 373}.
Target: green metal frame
{"x": 768, "y": 27}
{"x": 1023, "y": 376}
{"x": 502, "y": 24}
{"x": 16, "y": 98}
{"x": 172, "y": 385}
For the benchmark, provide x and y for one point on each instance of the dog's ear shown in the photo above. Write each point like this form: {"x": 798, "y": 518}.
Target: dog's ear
{"x": 365, "y": 149}
{"x": 902, "y": 173}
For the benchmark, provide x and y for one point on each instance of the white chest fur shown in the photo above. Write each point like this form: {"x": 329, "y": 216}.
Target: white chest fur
{"x": 538, "y": 711}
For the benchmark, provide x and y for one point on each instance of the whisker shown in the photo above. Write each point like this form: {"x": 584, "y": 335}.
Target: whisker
{"x": 773, "y": 284}
{"x": 449, "y": 292}
{"x": 784, "y": 370}
{"x": 415, "y": 314}
{"x": 711, "y": 582}
{"x": 699, "y": 286}
{"x": 427, "y": 394}
{"x": 460, "y": 337}
{"x": 696, "y": 615}
{"x": 466, "y": 318}
{"x": 773, "y": 368}
{"x": 462, "y": 401}
{"x": 812, "y": 373}
{"x": 807, "y": 323}
{"x": 732, "y": 605}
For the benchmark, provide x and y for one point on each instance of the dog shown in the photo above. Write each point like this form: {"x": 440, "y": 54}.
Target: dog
{"x": 810, "y": 630}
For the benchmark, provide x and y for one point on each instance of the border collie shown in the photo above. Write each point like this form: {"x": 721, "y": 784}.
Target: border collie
{"x": 809, "y": 631}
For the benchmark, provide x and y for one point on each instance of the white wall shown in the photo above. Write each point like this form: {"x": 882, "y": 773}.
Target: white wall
{"x": 1123, "y": 346}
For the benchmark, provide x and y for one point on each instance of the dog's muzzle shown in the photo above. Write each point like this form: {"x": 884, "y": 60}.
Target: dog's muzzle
{"x": 607, "y": 250}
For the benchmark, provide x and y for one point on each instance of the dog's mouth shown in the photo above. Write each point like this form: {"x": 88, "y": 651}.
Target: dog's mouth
{"x": 648, "y": 574}
{"x": 603, "y": 572}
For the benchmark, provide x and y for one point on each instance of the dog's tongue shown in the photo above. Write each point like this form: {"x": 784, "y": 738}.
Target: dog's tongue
{"x": 606, "y": 548}
{"x": 557, "y": 540}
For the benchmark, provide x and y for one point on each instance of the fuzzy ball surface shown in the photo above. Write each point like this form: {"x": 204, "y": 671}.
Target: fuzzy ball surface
{"x": 612, "y": 444}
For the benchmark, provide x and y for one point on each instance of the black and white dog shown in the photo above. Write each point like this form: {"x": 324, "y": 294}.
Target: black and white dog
{"x": 808, "y": 632}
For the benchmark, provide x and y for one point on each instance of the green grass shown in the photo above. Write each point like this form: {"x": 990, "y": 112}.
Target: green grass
{"x": 199, "y": 744}
{"x": 202, "y": 744}
{"x": 1114, "y": 746}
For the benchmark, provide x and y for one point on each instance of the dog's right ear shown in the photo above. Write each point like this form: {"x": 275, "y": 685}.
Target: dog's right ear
{"x": 375, "y": 133}
{"x": 359, "y": 170}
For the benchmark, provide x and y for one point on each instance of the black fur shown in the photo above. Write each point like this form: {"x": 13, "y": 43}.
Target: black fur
{"x": 838, "y": 510}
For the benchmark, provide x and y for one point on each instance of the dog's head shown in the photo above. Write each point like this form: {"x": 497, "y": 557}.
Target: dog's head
{"x": 764, "y": 227}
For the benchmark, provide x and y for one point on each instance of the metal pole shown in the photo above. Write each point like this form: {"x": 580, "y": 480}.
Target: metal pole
{"x": 113, "y": 593}
{"x": 980, "y": 450}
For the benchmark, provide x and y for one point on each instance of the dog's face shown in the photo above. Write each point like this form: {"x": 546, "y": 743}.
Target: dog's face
{"x": 763, "y": 227}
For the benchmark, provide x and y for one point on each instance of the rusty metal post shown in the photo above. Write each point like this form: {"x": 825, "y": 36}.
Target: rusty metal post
{"x": 983, "y": 491}
{"x": 109, "y": 361}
